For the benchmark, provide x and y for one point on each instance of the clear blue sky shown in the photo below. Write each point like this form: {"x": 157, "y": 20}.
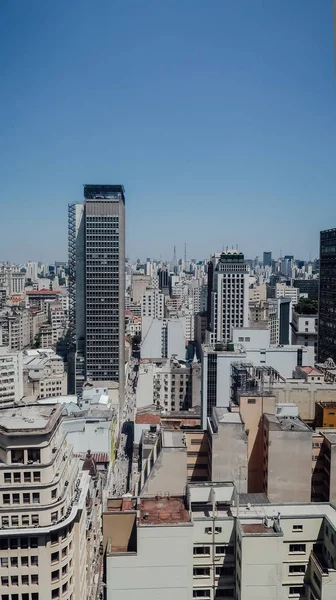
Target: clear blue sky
{"x": 218, "y": 117}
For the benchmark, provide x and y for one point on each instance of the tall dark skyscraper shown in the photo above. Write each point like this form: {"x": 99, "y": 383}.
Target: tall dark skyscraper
{"x": 97, "y": 285}
{"x": 267, "y": 259}
{"x": 327, "y": 296}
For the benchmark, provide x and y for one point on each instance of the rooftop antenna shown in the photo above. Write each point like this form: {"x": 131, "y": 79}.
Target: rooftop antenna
{"x": 185, "y": 253}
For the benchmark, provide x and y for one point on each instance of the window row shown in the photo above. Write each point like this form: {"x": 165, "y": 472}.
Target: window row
{"x": 24, "y": 580}
{"x": 24, "y": 561}
{"x": 26, "y": 520}
{"x": 25, "y": 498}
{"x": 14, "y": 543}
{"x": 26, "y": 477}
{"x": 25, "y": 596}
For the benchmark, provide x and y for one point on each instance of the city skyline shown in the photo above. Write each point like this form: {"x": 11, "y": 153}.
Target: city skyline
{"x": 203, "y": 110}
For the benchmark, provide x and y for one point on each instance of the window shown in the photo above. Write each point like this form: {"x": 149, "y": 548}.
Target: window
{"x": 4, "y": 561}
{"x": 36, "y": 476}
{"x": 4, "y": 580}
{"x": 224, "y": 593}
{"x": 24, "y": 561}
{"x": 16, "y": 499}
{"x": 296, "y": 590}
{"x": 201, "y": 593}
{"x": 25, "y": 521}
{"x": 24, "y": 543}
{"x": 17, "y": 477}
{"x": 55, "y": 557}
{"x": 26, "y": 498}
{"x": 7, "y": 477}
{"x": 251, "y": 401}
{"x": 27, "y": 477}
{"x": 35, "y": 520}
{"x": 14, "y": 561}
{"x": 6, "y": 498}
{"x": 34, "y": 596}
{"x": 34, "y": 561}
{"x": 5, "y": 521}
{"x": 3, "y": 544}
{"x": 327, "y": 531}
{"x": 224, "y": 571}
{"x": 34, "y": 579}
{"x": 297, "y": 548}
{"x": 33, "y": 542}
{"x": 34, "y": 455}
{"x": 15, "y": 521}
{"x": 55, "y": 593}
{"x": 55, "y": 575}
{"x": 25, "y": 597}
{"x": 54, "y": 493}
{"x": 13, "y": 544}
{"x": 25, "y": 579}
{"x": 36, "y": 498}
{"x": 54, "y": 538}
{"x": 15, "y": 580}
{"x": 224, "y": 550}
{"x": 64, "y": 551}
{"x": 297, "y": 569}
{"x": 201, "y": 572}
{"x": 199, "y": 550}
{"x": 297, "y": 527}
{"x": 17, "y": 456}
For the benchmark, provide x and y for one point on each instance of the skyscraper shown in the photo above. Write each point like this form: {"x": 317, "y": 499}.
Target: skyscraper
{"x": 229, "y": 296}
{"x": 327, "y": 296}
{"x": 267, "y": 259}
{"x": 97, "y": 285}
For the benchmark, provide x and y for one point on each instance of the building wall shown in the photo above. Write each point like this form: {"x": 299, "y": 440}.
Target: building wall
{"x": 11, "y": 376}
{"x": 161, "y": 568}
{"x": 304, "y": 395}
{"x": 228, "y": 455}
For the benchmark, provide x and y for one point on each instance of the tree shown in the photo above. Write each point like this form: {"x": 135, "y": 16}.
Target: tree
{"x": 307, "y": 306}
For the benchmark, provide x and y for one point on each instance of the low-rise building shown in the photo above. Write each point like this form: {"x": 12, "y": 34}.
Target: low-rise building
{"x": 304, "y": 333}
{"x": 44, "y": 375}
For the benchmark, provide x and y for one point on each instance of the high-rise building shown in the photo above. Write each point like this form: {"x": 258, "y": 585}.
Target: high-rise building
{"x": 327, "y": 296}
{"x": 267, "y": 259}
{"x": 97, "y": 285}
{"x": 229, "y": 296}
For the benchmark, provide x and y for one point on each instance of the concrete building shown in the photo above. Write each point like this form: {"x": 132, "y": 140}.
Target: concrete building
{"x": 152, "y": 304}
{"x": 166, "y": 383}
{"x": 11, "y": 377}
{"x": 140, "y": 283}
{"x": 304, "y": 333}
{"x": 43, "y": 375}
{"x": 327, "y": 319}
{"x": 258, "y": 293}
{"x": 285, "y": 291}
{"x": 287, "y": 462}
{"x": 229, "y": 296}
{"x": 267, "y": 259}
{"x": 18, "y": 329}
{"x": 44, "y": 508}
{"x": 223, "y": 549}
{"x": 227, "y": 448}
{"x": 97, "y": 285}
{"x": 163, "y": 338}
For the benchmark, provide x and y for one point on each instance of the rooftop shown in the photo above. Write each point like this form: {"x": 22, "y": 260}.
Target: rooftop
{"x": 163, "y": 511}
{"x": 173, "y": 438}
{"x": 29, "y": 419}
{"x": 42, "y": 292}
{"x": 225, "y": 416}
{"x": 286, "y": 424}
{"x": 257, "y": 529}
{"x": 331, "y": 437}
{"x": 310, "y": 371}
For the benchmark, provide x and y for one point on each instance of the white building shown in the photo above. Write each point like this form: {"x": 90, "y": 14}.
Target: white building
{"x": 163, "y": 338}
{"x": 11, "y": 376}
{"x": 43, "y": 374}
{"x": 32, "y": 270}
{"x": 285, "y": 291}
{"x": 230, "y": 295}
{"x": 165, "y": 383}
{"x": 152, "y": 304}
{"x": 304, "y": 333}
{"x": 205, "y": 546}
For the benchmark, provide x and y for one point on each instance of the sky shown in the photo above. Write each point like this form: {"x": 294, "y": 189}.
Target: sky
{"x": 218, "y": 117}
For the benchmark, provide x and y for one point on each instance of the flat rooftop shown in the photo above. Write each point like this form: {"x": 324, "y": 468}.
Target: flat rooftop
{"x": 225, "y": 416}
{"x": 331, "y": 437}
{"x": 29, "y": 419}
{"x": 163, "y": 511}
{"x": 173, "y": 438}
{"x": 257, "y": 529}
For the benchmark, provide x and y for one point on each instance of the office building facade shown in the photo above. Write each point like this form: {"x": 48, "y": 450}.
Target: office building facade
{"x": 97, "y": 285}
{"x": 267, "y": 259}
{"x": 327, "y": 296}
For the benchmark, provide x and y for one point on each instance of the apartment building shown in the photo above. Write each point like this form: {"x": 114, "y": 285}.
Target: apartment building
{"x": 43, "y": 374}
{"x": 43, "y": 508}
{"x": 11, "y": 376}
{"x": 166, "y": 383}
{"x": 18, "y": 329}
{"x": 287, "y": 459}
{"x": 152, "y": 304}
{"x": 285, "y": 291}
{"x": 304, "y": 333}
{"x": 37, "y": 319}
{"x": 205, "y": 544}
